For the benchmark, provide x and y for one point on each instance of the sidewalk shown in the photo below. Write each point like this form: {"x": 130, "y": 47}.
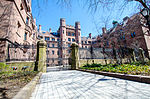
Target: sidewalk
{"x": 81, "y": 85}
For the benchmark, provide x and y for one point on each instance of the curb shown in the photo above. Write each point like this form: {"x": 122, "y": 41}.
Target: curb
{"x": 26, "y": 91}
{"x": 137, "y": 78}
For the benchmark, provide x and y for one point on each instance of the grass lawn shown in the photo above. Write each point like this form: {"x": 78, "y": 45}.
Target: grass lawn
{"x": 12, "y": 81}
{"x": 135, "y": 68}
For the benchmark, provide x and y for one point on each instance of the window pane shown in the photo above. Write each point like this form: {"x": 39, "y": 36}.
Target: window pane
{"x": 53, "y": 52}
{"x": 73, "y": 34}
{"x": 25, "y": 36}
{"x": 53, "y": 39}
{"x": 69, "y": 44}
{"x": 69, "y": 39}
{"x": 53, "y": 45}
{"x": 73, "y": 40}
{"x": 47, "y": 38}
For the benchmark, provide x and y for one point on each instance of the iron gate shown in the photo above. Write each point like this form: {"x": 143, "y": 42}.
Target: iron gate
{"x": 58, "y": 54}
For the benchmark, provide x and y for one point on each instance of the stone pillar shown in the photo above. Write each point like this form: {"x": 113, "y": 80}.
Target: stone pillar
{"x": 40, "y": 64}
{"x": 74, "y": 56}
{"x": 134, "y": 58}
{"x": 142, "y": 56}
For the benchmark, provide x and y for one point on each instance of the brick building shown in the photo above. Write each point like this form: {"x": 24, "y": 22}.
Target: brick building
{"x": 58, "y": 43}
{"x": 17, "y": 27}
{"x": 131, "y": 33}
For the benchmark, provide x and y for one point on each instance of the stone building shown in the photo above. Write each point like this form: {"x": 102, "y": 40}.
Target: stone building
{"x": 131, "y": 33}
{"x": 17, "y": 28}
{"x": 89, "y": 41}
{"x": 58, "y": 43}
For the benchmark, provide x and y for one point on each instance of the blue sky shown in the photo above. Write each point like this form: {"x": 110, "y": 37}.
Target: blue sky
{"x": 49, "y": 14}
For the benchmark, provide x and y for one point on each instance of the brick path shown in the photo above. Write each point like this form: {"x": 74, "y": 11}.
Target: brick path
{"x": 81, "y": 85}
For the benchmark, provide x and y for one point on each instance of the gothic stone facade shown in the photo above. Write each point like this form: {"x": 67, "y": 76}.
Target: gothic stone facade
{"x": 58, "y": 43}
{"x": 17, "y": 27}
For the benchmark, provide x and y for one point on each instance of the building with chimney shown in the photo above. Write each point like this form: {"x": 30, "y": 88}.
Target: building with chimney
{"x": 131, "y": 33}
{"x": 89, "y": 41}
{"x": 17, "y": 28}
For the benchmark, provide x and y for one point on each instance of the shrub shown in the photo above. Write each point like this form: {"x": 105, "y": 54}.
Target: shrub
{"x": 133, "y": 68}
{"x": 3, "y": 67}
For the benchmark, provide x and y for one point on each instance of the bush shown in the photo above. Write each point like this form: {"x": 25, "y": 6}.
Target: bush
{"x": 3, "y": 67}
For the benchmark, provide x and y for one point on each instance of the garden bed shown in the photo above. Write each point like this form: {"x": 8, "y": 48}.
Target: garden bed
{"x": 136, "y": 68}
{"x": 12, "y": 82}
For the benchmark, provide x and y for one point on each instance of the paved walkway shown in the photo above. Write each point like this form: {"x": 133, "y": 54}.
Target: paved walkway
{"x": 81, "y": 85}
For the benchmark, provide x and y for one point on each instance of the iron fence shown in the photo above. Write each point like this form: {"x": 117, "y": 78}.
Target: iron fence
{"x": 95, "y": 53}
{"x": 110, "y": 53}
{"x": 21, "y": 52}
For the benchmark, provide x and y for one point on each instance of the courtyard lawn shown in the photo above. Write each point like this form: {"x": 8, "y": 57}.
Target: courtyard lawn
{"x": 11, "y": 81}
{"x": 135, "y": 68}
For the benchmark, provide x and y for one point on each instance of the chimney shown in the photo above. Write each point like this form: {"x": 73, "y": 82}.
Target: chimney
{"x": 104, "y": 30}
{"x": 50, "y": 30}
{"x": 40, "y": 28}
{"x": 90, "y": 35}
{"x": 34, "y": 20}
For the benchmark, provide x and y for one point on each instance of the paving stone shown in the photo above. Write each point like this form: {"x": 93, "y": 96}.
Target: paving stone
{"x": 73, "y": 84}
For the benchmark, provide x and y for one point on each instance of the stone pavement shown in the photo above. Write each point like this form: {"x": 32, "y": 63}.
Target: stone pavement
{"x": 74, "y": 84}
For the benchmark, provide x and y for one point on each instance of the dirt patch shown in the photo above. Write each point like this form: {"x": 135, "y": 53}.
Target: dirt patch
{"x": 11, "y": 85}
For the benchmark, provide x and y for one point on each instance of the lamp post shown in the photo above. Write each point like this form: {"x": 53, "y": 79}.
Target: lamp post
{"x": 145, "y": 13}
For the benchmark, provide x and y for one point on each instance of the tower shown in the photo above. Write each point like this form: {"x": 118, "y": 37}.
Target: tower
{"x": 62, "y": 39}
{"x": 78, "y": 33}
{"x": 63, "y": 29}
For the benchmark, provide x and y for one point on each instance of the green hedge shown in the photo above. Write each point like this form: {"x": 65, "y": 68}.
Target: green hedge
{"x": 133, "y": 68}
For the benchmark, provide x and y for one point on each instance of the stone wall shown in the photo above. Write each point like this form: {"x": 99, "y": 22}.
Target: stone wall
{"x": 96, "y": 61}
{"x": 19, "y": 66}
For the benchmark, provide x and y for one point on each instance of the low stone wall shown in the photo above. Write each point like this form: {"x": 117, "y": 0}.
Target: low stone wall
{"x": 20, "y": 65}
{"x": 96, "y": 61}
{"x": 83, "y": 62}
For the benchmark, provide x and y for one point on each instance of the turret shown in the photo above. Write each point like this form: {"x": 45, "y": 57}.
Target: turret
{"x": 78, "y": 33}
{"x": 62, "y": 22}
{"x": 63, "y": 29}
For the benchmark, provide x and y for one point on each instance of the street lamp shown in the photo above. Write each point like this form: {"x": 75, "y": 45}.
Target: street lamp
{"x": 145, "y": 13}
